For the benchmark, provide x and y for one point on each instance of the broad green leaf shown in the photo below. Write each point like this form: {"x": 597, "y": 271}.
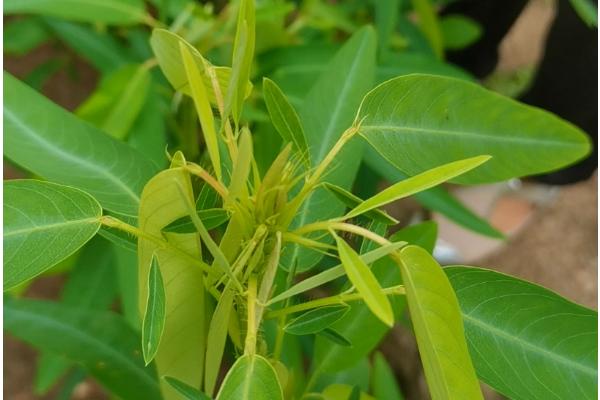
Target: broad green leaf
{"x": 352, "y": 201}
{"x": 338, "y": 391}
{"x": 112, "y": 12}
{"x": 91, "y": 285}
{"x": 153, "y": 322}
{"x": 251, "y": 378}
{"x": 285, "y": 119}
{"x": 166, "y": 44}
{"x": 436, "y": 320}
{"x": 52, "y": 143}
{"x": 365, "y": 282}
{"x": 418, "y": 183}
{"x": 526, "y": 341}
{"x": 429, "y": 24}
{"x": 459, "y": 31}
{"x": 101, "y": 49}
{"x": 587, "y": 11}
{"x": 360, "y": 319}
{"x": 23, "y": 35}
{"x": 217, "y": 336}
{"x": 183, "y": 344}
{"x": 211, "y": 218}
{"x": 203, "y": 109}
{"x": 385, "y": 386}
{"x": 326, "y": 112}
{"x": 44, "y": 223}
{"x": 444, "y": 119}
{"x": 186, "y": 390}
{"x": 334, "y": 272}
{"x": 435, "y": 199}
{"x": 103, "y": 344}
{"x": 316, "y": 320}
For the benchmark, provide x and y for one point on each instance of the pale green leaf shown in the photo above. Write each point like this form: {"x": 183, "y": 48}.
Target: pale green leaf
{"x": 526, "y": 341}
{"x": 443, "y": 119}
{"x": 285, "y": 119}
{"x": 252, "y": 377}
{"x": 459, "y": 31}
{"x": 113, "y": 12}
{"x": 365, "y": 282}
{"x": 436, "y": 320}
{"x": 418, "y": 183}
{"x": 52, "y": 143}
{"x": 384, "y": 383}
{"x": 153, "y": 322}
{"x": 102, "y": 343}
{"x": 316, "y": 320}
{"x": 44, "y": 223}
{"x": 352, "y": 201}
{"x": 186, "y": 390}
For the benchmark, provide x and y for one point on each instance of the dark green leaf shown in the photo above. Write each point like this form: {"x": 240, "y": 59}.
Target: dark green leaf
{"x": 186, "y": 390}
{"x": 316, "y": 320}
{"x": 335, "y": 337}
{"x": 385, "y": 386}
{"x": 211, "y": 218}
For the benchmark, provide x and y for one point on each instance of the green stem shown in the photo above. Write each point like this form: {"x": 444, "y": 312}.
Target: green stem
{"x": 250, "y": 344}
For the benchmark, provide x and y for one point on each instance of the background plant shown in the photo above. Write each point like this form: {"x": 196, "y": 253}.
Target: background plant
{"x": 274, "y": 200}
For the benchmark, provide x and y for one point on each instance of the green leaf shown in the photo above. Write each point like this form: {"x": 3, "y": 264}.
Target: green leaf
{"x": 413, "y": 62}
{"x": 526, "y": 341}
{"x": 104, "y": 344}
{"x": 334, "y": 336}
{"x": 316, "y": 320}
{"x": 365, "y": 282}
{"x": 211, "y": 218}
{"x": 339, "y": 391}
{"x": 386, "y": 16}
{"x": 251, "y": 378}
{"x": 418, "y": 183}
{"x": 285, "y": 119}
{"x": 183, "y": 344}
{"x": 112, "y": 12}
{"x": 444, "y": 119}
{"x": 165, "y": 46}
{"x": 359, "y": 319}
{"x": 52, "y": 143}
{"x": 459, "y": 31}
{"x": 429, "y": 24}
{"x": 438, "y": 327}
{"x": 326, "y": 112}
{"x": 384, "y": 382}
{"x": 23, "y": 35}
{"x": 351, "y": 200}
{"x": 587, "y": 11}
{"x": 186, "y": 390}
{"x": 154, "y": 318}
{"x": 44, "y": 223}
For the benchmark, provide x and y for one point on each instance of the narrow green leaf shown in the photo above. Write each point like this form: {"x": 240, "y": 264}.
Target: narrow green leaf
{"x": 526, "y": 341}
{"x": 437, "y": 323}
{"x": 238, "y": 186}
{"x": 190, "y": 393}
{"x": 365, "y": 282}
{"x": 386, "y": 16}
{"x": 385, "y": 386}
{"x": 252, "y": 377}
{"x": 113, "y": 12}
{"x": 154, "y": 318}
{"x": 316, "y": 320}
{"x": 217, "y": 336}
{"x": 429, "y": 24}
{"x": 443, "y": 120}
{"x": 587, "y": 11}
{"x": 202, "y": 103}
{"x": 102, "y": 344}
{"x": 418, "y": 183}
{"x": 285, "y": 119}
{"x": 352, "y": 201}
{"x": 334, "y": 336}
{"x": 210, "y": 218}
{"x": 23, "y": 35}
{"x": 459, "y": 31}
{"x": 66, "y": 150}
{"x": 44, "y": 223}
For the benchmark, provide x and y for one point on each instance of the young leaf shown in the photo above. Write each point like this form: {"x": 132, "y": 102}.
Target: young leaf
{"x": 202, "y": 103}
{"x": 154, "y": 318}
{"x": 44, "y": 223}
{"x": 351, "y": 200}
{"x": 365, "y": 282}
{"x": 526, "y": 341}
{"x": 238, "y": 187}
{"x": 326, "y": 112}
{"x": 217, "y": 335}
{"x": 252, "y": 377}
{"x": 190, "y": 393}
{"x": 66, "y": 150}
{"x": 316, "y": 320}
{"x": 285, "y": 119}
{"x": 112, "y": 12}
{"x": 437, "y": 323}
{"x": 385, "y": 386}
{"x": 102, "y": 343}
{"x": 334, "y": 336}
{"x": 210, "y": 218}
{"x": 445, "y": 119}
{"x": 418, "y": 183}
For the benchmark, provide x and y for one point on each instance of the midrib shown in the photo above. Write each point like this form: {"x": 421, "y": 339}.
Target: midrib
{"x": 42, "y": 228}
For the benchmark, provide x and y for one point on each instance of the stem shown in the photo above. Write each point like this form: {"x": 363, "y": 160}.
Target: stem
{"x": 200, "y": 172}
{"x": 250, "y": 345}
{"x": 327, "y": 301}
